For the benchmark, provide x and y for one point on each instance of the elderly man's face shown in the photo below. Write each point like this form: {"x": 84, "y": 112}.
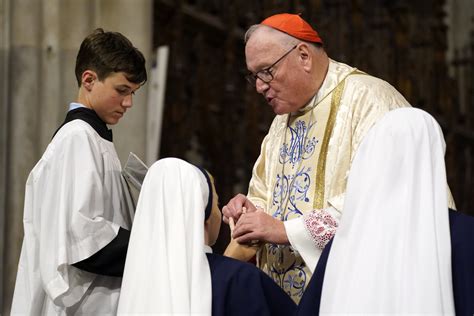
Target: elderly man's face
{"x": 284, "y": 92}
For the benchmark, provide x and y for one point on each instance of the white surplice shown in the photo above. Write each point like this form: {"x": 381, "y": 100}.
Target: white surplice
{"x": 391, "y": 254}
{"x": 75, "y": 202}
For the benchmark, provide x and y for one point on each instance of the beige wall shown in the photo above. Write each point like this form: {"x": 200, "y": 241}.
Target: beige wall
{"x": 39, "y": 41}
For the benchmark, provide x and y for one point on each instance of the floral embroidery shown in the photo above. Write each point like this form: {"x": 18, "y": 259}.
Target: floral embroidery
{"x": 321, "y": 226}
{"x": 300, "y": 147}
{"x": 288, "y": 190}
{"x": 289, "y": 274}
{"x": 291, "y": 195}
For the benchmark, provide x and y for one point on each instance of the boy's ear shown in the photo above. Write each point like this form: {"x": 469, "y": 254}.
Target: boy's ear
{"x": 88, "y": 79}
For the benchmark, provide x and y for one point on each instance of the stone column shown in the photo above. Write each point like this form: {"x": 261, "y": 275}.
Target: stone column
{"x": 22, "y": 145}
{"x": 4, "y": 100}
{"x": 38, "y": 46}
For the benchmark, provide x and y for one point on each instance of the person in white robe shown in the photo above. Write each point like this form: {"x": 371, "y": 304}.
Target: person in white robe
{"x": 170, "y": 268}
{"x": 391, "y": 254}
{"x": 78, "y": 211}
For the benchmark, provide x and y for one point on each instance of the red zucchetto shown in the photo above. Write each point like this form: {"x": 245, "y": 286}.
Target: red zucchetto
{"x": 293, "y": 25}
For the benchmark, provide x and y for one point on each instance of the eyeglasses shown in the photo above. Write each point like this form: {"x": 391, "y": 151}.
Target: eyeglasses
{"x": 266, "y": 73}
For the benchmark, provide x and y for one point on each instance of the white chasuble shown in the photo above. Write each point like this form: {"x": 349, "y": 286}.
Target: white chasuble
{"x": 75, "y": 202}
{"x": 304, "y": 162}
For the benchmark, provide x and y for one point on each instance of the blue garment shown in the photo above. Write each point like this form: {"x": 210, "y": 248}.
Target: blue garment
{"x": 240, "y": 288}
{"x": 462, "y": 261}
{"x": 462, "y": 258}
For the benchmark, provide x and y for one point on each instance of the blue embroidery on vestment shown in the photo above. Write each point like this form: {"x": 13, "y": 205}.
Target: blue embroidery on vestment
{"x": 301, "y": 147}
{"x": 291, "y": 188}
{"x": 292, "y": 279}
{"x": 294, "y": 188}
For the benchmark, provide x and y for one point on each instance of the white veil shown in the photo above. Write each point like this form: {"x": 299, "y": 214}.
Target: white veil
{"x": 391, "y": 253}
{"x": 166, "y": 271}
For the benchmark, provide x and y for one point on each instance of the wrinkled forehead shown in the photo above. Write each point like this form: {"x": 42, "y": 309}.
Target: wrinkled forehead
{"x": 262, "y": 48}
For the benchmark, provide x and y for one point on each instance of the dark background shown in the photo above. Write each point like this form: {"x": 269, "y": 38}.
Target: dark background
{"x": 214, "y": 118}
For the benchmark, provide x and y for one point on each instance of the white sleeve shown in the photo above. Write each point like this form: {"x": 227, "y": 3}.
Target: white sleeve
{"x": 310, "y": 233}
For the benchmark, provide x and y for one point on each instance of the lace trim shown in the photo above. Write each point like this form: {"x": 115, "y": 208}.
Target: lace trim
{"x": 321, "y": 226}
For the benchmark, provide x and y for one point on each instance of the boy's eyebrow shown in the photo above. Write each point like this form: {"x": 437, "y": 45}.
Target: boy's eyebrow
{"x": 124, "y": 85}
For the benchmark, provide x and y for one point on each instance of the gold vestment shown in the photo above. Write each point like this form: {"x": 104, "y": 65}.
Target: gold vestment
{"x": 305, "y": 159}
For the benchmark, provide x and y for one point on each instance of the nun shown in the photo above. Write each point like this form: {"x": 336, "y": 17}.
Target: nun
{"x": 170, "y": 268}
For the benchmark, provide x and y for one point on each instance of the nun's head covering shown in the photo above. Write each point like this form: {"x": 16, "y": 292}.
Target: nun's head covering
{"x": 166, "y": 269}
{"x": 391, "y": 253}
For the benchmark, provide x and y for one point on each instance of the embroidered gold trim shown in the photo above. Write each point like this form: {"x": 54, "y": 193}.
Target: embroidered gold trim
{"x": 321, "y": 168}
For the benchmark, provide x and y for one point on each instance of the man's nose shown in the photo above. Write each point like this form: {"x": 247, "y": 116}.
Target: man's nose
{"x": 261, "y": 86}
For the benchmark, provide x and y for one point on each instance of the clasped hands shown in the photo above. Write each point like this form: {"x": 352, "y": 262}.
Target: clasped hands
{"x": 253, "y": 224}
